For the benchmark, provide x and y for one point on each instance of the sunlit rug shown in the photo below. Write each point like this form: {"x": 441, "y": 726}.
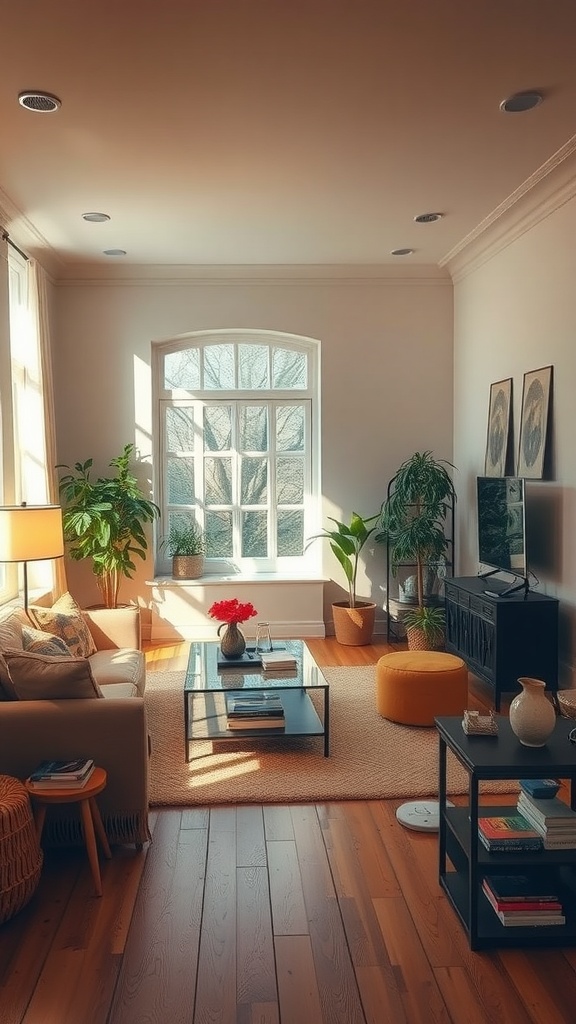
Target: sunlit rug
{"x": 370, "y": 758}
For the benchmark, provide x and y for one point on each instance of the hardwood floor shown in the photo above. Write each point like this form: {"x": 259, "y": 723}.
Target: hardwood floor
{"x": 301, "y": 914}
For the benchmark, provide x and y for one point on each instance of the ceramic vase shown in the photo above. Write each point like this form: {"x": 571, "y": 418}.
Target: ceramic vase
{"x": 232, "y": 642}
{"x": 532, "y": 716}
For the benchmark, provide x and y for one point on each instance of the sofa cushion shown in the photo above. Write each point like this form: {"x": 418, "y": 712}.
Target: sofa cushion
{"x": 122, "y": 665}
{"x": 11, "y": 626}
{"x": 39, "y": 642}
{"x": 113, "y": 691}
{"x": 65, "y": 619}
{"x": 45, "y": 677}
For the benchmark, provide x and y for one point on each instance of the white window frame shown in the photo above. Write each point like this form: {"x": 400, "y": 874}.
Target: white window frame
{"x": 307, "y": 397}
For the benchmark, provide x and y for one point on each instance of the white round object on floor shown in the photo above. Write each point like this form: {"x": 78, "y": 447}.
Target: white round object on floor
{"x": 421, "y": 815}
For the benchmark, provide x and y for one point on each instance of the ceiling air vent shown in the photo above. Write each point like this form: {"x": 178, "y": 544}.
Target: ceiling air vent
{"x": 428, "y": 218}
{"x": 42, "y": 102}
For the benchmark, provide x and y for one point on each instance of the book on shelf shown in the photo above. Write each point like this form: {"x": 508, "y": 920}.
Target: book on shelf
{"x": 72, "y": 770}
{"x": 528, "y": 886}
{"x": 530, "y": 920}
{"x": 521, "y": 906}
{"x": 260, "y": 722}
{"x": 542, "y": 789}
{"x": 60, "y": 783}
{"x": 549, "y": 812}
{"x": 255, "y": 709}
{"x": 512, "y": 845}
{"x": 507, "y": 828}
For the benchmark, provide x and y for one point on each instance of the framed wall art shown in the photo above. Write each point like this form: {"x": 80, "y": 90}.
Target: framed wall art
{"x": 536, "y": 392}
{"x": 499, "y": 418}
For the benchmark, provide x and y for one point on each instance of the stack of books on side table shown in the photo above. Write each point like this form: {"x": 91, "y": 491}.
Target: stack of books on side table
{"x": 510, "y": 833}
{"x": 278, "y": 661}
{"x": 255, "y": 711}
{"x": 62, "y": 774}
{"x": 552, "y": 819}
{"x": 523, "y": 900}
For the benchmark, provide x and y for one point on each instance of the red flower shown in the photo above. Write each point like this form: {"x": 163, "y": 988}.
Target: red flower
{"x": 232, "y": 610}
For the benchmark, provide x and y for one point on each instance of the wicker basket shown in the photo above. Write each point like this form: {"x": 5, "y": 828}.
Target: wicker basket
{"x": 20, "y": 853}
{"x": 567, "y": 703}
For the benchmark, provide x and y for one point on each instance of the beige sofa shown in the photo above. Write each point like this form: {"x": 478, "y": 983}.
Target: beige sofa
{"x": 111, "y": 729}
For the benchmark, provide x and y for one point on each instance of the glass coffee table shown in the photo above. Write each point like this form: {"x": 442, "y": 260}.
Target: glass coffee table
{"x": 208, "y": 686}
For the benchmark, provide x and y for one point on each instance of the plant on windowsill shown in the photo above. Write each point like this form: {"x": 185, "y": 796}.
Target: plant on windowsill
{"x": 186, "y": 547}
{"x": 104, "y": 520}
{"x": 353, "y": 619}
{"x": 412, "y": 521}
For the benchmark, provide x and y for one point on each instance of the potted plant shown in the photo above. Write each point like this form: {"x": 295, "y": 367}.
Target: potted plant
{"x": 412, "y": 522}
{"x": 186, "y": 547}
{"x": 104, "y": 521}
{"x": 353, "y": 619}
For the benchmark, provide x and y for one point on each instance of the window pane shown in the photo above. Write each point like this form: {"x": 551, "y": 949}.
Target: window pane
{"x": 219, "y": 367}
{"x": 254, "y": 428}
{"x": 254, "y": 487}
{"x": 218, "y": 531}
{"x": 289, "y": 481}
{"x": 254, "y": 535}
{"x": 290, "y": 428}
{"x": 218, "y": 428}
{"x": 180, "y": 520}
{"x": 218, "y": 481}
{"x": 180, "y": 481}
{"x": 253, "y": 367}
{"x": 290, "y": 537}
{"x": 182, "y": 370}
{"x": 179, "y": 429}
{"x": 289, "y": 369}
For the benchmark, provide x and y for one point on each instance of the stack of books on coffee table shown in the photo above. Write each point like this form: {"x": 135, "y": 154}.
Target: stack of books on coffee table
{"x": 552, "y": 819}
{"x": 255, "y": 711}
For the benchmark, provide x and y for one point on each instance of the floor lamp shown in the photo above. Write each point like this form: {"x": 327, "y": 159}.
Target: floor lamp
{"x": 30, "y": 533}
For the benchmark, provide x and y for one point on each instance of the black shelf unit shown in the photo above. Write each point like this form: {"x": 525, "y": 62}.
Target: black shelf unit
{"x": 463, "y": 860}
{"x": 394, "y": 605}
{"x": 502, "y": 638}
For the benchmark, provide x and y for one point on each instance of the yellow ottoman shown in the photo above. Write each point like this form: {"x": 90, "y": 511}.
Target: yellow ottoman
{"x": 413, "y": 687}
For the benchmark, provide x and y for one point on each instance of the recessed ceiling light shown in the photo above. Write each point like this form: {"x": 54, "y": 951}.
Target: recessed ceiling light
{"x": 95, "y": 218}
{"x": 521, "y": 101}
{"x": 114, "y": 252}
{"x": 401, "y": 252}
{"x": 428, "y": 218}
{"x": 41, "y": 102}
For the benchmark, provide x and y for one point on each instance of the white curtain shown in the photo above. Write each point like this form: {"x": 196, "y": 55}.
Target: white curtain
{"x": 39, "y": 304}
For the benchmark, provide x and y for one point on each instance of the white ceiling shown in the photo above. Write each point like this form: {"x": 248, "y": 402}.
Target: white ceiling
{"x": 258, "y": 132}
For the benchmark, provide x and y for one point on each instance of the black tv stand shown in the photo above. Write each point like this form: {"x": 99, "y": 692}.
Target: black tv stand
{"x": 502, "y": 640}
{"x": 512, "y": 588}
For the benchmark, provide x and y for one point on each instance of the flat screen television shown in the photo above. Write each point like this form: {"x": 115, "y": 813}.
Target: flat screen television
{"x": 502, "y": 527}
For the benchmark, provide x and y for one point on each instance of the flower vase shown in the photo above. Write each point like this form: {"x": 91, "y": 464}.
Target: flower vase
{"x": 232, "y": 642}
{"x": 532, "y": 716}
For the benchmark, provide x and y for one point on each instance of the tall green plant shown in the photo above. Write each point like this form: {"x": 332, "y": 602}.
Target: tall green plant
{"x": 104, "y": 521}
{"x": 346, "y": 542}
{"x": 414, "y": 514}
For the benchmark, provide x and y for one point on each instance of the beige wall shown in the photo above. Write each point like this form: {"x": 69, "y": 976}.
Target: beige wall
{"x": 514, "y": 312}
{"x": 386, "y": 350}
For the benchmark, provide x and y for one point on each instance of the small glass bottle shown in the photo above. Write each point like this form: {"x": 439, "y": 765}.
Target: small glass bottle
{"x": 263, "y": 638}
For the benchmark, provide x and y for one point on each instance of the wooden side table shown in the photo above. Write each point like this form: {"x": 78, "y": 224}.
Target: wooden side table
{"x": 91, "y": 820}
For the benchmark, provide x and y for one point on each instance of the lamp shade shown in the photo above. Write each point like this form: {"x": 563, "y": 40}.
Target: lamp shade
{"x": 30, "y": 533}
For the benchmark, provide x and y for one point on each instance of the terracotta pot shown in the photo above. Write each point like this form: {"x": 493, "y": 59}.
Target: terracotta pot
{"x": 354, "y": 626}
{"x": 419, "y": 641}
{"x": 532, "y": 716}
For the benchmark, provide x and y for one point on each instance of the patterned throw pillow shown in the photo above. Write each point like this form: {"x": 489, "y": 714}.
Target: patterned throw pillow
{"x": 65, "y": 620}
{"x": 39, "y": 642}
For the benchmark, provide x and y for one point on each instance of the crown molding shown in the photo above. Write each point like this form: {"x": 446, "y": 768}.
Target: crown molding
{"x": 28, "y": 238}
{"x": 260, "y": 275}
{"x": 548, "y": 189}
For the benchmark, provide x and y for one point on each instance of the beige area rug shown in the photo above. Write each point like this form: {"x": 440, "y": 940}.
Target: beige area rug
{"x": 370, "y": 758}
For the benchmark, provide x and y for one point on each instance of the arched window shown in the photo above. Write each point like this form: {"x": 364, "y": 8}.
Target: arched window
{"x": 237, "y": 445}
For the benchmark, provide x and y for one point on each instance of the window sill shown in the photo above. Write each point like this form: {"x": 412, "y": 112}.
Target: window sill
{"x": 223, "y": 579}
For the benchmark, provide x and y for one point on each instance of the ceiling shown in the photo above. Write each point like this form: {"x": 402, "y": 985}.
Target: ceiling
{"x": 275, "y": 132}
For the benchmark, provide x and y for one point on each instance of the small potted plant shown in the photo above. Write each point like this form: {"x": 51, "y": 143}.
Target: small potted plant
{"x": 412, "y": 523}
{"x": 186, "y": 547}
{"x": 353, "y": 619}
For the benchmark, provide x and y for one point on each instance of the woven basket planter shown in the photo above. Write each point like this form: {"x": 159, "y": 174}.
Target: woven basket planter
{"x": 20, "y": 853}
{"x": 187, "y": 567}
